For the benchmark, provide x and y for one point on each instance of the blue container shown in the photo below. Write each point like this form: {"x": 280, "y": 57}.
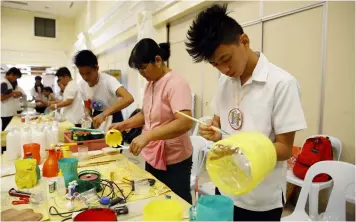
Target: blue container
{"x": 69, "y": 167}
{"x": 215, "y": 208}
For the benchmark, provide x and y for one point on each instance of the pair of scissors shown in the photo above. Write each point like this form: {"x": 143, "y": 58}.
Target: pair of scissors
{"x": 21, "y": 200}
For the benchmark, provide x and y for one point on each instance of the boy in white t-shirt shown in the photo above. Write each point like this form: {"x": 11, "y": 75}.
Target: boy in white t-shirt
{"x": 102, "y": 93}
{"x": 252, "y": 95}
{"x": 72, "y": 103}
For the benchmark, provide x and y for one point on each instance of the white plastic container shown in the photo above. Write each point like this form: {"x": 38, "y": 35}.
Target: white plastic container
{"x": 61, "y": 187}
{"x": 39, "y": 137}
{"x": 26, "y": 137}
{"x": 12, "y": 145}
{"x": 47, "y": 129}
{"x": 55, "y": 132}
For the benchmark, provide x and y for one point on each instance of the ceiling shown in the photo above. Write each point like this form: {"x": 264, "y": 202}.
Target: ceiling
{"x": 58, "y": 8}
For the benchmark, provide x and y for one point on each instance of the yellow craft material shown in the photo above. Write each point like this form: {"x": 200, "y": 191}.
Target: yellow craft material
{"x": 113, "y": 138}
{"x": 26, "y": 176}
{"x": 67, "y": 152}
{"x": 232, "y": 177}
{"x": 163, "y": 210}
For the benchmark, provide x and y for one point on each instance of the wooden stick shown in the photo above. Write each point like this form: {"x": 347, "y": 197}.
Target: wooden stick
{"x": 204, "y": 123}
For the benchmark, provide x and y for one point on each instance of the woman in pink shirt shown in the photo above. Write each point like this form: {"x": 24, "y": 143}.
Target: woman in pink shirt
{"x": 165, "y": 142}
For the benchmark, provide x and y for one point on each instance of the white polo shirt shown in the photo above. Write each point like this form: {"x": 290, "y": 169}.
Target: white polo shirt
{"x": 74, "y": 112}
{"x": 270, "y": 103}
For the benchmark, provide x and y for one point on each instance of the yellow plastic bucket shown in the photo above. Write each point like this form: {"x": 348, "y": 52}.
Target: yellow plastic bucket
{"x": 232, "y": 177}
{"x": 165, "y": 209}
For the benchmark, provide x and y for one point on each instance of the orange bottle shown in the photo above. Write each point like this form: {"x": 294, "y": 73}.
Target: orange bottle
{"x": 33, "y": 148}
{"x": 50, "y": 166}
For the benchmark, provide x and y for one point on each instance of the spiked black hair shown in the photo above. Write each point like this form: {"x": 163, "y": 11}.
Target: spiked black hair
{"x": 212, "y": 28}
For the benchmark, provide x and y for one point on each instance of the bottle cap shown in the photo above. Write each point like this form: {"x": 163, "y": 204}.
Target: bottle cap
{"x": 105, "y": 200}
{"x": 28, "y": 154}
{"x": 60, "y": 174}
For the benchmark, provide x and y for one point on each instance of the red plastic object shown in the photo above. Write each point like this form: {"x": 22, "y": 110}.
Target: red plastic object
{"x": 96, "y": 214}
{"x": 50, "y": 166}
{"x": 91, "y": 144}
{"x": 33, "y": 148}
{"x": 22, "y": 200}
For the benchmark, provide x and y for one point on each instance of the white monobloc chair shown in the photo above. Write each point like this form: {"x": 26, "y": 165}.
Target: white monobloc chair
{"x": 199, "y": 146}
{"x": 343, "y": 175}
{"x": 317, "y": 186}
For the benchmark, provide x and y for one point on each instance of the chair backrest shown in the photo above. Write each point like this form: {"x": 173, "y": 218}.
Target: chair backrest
{"x": 336, "y": 145}
{"x": 199, "y": 144}
{"x": 343, "y": 174}
{"x": 196, "y": 128}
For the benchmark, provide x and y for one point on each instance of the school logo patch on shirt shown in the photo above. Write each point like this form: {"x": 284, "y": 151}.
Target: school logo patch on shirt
{"x": 235, "y": 118}
{"x": 97, "y": 105}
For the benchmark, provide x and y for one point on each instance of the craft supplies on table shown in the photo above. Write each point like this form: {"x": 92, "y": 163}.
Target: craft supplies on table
{"x": 129, "y": 170}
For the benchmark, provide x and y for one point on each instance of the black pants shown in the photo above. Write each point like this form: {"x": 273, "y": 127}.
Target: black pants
{"x": 5, "y": 121}
{"x": 40, "y": 109}
{"x": 248, "y": 215}
{"x": 176, "y": 177}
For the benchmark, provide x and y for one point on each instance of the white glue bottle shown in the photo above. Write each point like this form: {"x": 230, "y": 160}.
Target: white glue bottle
{"x": 61, "y": 186}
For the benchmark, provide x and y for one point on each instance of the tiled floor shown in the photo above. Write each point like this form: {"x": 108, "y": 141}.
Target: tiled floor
{"x": 203, "y": 178}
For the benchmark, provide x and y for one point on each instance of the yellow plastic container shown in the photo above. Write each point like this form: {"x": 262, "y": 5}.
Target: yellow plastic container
{"x": 67, "y": 152}
{"x": 113, "y": 138}
{"x": 259, "y": 159}
{"x": 163, "y": 210}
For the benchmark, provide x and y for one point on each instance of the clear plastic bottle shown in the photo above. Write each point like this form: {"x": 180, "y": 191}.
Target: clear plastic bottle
{"x": 25, "y": 137}
{"x": 39, "y": 137}
{"x": 12, "y": 150}
{"x": 55, "y": 132}
{"x": 61, "y": 186}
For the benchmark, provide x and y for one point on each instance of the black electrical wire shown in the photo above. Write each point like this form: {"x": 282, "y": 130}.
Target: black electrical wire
{"x": 67, "y": 214}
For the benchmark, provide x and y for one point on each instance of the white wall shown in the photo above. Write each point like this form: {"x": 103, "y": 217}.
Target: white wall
{"x": 19, "y": 45}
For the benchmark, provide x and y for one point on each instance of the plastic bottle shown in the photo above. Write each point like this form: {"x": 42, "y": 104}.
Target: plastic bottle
{"x": 12, "y": 150}
{"x": 38, "y": 171}
{"x": 48, "y": 136}
{"x": 39, "y": 137}
{"x": 55, "y": 132}
{"x": 25, "y": 137}
{"x": 61, "y": 187}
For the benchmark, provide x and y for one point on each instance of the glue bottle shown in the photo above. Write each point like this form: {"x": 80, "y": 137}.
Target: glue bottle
{"x": 61, "y": 186}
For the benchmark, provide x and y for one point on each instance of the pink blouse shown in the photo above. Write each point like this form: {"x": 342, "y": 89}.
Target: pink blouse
{"x": 169, "y": 94}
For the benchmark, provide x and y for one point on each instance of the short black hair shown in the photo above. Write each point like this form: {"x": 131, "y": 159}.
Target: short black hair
{"x": 211, "y": 28}
{"x": 47, "y": 88}
{"x": 38, "y": 78}
{"x": 15, "y": 71}
{"x": 85, "y": 58}
{"x": 62, "y": 72}
{"x": 145, "y": 52}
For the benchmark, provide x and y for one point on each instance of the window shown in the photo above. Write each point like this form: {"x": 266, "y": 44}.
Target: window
{"x": 45, "y": 27}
